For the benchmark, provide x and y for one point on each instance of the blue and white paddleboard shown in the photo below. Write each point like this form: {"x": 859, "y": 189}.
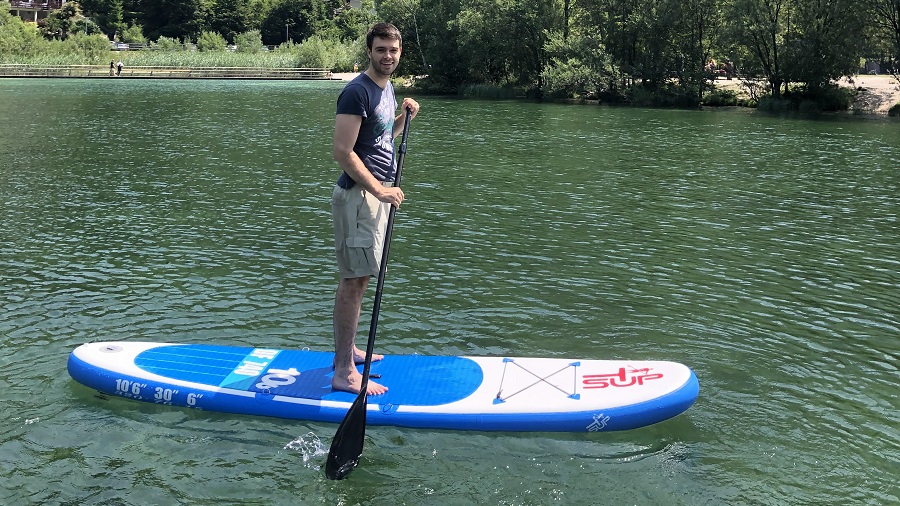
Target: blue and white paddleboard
{"x": 438, "y": 392}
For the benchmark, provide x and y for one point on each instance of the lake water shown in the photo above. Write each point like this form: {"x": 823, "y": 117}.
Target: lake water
{"x": 762, "y": 252}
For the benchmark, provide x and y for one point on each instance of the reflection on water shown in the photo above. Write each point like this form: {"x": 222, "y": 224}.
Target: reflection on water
{"x": 760, "y": 251}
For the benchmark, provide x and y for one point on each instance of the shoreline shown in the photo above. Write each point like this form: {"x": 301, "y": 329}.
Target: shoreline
{"x": 876, "y": 94}
{"x": 14, "y": 70}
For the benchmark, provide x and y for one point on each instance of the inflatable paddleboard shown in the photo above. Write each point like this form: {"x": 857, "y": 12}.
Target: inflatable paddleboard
{"x": 437, "y": 392}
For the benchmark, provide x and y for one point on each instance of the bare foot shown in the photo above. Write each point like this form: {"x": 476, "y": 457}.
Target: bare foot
{"x": 352, "y": 383}
{"x": 359, "y": 356}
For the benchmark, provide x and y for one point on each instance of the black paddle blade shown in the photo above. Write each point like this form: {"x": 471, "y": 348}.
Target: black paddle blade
{"x": 347, "y": 445}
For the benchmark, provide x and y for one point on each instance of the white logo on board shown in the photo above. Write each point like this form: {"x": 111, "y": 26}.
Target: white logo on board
{"x": 598, "y": 424}
{"x": 278, "y": 377}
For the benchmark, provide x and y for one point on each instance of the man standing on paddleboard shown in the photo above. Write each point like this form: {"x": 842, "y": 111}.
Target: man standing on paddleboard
{"x": 364, "y": 132}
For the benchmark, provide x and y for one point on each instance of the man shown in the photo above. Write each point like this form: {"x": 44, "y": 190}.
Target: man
{"x": 364, "y": 131}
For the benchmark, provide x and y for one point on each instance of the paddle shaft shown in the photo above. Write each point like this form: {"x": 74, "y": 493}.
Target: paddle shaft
{"x": 379, "y": 287}
{"x": 351, "y": 432}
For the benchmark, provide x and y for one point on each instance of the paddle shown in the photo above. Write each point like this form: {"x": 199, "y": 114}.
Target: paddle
{"x": 347, "y": 445}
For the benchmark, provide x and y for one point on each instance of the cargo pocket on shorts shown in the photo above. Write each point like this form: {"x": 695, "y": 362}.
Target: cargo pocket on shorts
{"x": 361, "y": 240}
{"x": 359, "y": 251}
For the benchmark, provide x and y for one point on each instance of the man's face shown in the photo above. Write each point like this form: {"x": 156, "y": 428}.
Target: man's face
{"x": 384, "y": 55}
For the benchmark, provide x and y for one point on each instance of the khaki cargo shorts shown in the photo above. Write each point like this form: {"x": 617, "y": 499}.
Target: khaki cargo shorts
{"x": 360, "y": 221}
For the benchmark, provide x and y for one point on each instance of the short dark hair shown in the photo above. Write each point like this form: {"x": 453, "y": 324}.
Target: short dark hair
{"x": 384, "y": 31}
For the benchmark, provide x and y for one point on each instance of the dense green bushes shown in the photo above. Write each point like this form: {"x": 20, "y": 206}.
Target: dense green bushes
{"x": 721, "y": 98}
{"x": 249, "y": 42}
{"x": 18, "y": 39}
{"x": 809, "y": 100}
{"x": 22, "y": 42}
{"x": 325, "y": 53}
{"x": 210, "y": 41}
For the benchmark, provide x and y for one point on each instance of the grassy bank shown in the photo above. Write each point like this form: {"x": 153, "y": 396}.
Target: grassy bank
{"x": 80, "y": 49}
{"x": 155, "y": 58}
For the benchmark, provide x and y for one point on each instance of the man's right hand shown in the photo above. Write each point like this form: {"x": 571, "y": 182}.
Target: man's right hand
{"x": 391, "y": 195}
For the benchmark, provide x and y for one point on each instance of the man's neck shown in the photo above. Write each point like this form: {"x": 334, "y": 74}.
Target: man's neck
{"x": 379, "y": 79}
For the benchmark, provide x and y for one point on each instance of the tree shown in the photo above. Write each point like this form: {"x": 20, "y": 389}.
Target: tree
{"x": 164, "y": 43}
{"x": 17, "y": 38}
{"x": 210, "y": 41}
{"x": 531, "y": 23}
{"x": 228, "y": 18}
{"x": 257, "y": 11}
{"x": 577, "y": 66}
{"x": 824, "y": 42}
{"x": 518, "y": 57}
{"x": 249, "y": 42}
{"x": 170, "y": 18}
{"x": 352, "y": 24}
{"x": 657, "y": 22}
{"x": 810, "y": 42}
{"x": 698, "y": 36}
{"x": 762, "y": 29}
{"x": 404, "y": 14}
{"x": 133, "y": 34}
{"x": 60, "y": 23}
{"x": 615, "y": 21}
{"x": 886, "y": 29}
{"x": 292, "y": 20}
{"x": 131, "y": 12}
{"x": 93, "y": 48}
{"x": 107, "y": 14}
{"x": 447, "y": 68}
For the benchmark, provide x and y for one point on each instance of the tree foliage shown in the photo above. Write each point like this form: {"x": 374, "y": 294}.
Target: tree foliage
{"x": 249, "y": 42}
{"x": 171, "y": 18}
{"x": 60, "y": 23}
{"x": 210, "y": 41}
{"x": 17, "y": 38}
{"x": 578, "y": 67}
{"x": 107, "y": 14}
{"x": 885, "y": 30}
{"x": 228, "y": 18}
{"x": 133, "y": 33}
{"x": 292, "y": 20}
{"x": 575, "y": 48}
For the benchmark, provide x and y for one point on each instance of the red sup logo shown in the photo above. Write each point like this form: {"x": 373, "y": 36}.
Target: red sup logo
{"x": 622, "y": 378}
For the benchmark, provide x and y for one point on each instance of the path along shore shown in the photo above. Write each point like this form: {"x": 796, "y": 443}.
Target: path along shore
{"x": 162, "y": 72}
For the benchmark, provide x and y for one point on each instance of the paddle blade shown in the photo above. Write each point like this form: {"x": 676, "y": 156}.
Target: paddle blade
{"x": 347, "y": 445}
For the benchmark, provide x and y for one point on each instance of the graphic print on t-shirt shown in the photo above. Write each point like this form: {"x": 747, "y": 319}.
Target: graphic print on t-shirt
{"x": 384, "y": 126}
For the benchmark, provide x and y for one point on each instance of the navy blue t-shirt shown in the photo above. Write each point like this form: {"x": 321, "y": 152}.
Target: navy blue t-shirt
{"x": 375, "y": 142}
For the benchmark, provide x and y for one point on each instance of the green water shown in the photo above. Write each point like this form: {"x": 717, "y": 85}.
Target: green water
{"x": 762, "y": 252}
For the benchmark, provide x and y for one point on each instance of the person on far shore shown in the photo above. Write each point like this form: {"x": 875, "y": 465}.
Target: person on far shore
{"x": 364, "y": 132}
{"x": 119, "y": 68}
{"x": 112, "y": 68}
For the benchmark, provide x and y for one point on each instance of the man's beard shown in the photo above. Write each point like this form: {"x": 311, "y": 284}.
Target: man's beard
{"x": 379, "y": 68}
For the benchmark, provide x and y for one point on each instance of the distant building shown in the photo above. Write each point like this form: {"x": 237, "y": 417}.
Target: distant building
{"x": 34, "y": 10}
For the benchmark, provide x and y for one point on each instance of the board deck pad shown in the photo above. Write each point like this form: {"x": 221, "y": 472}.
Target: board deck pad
{"x": 443, "y": 392}
{"x": 415, "y": 380}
